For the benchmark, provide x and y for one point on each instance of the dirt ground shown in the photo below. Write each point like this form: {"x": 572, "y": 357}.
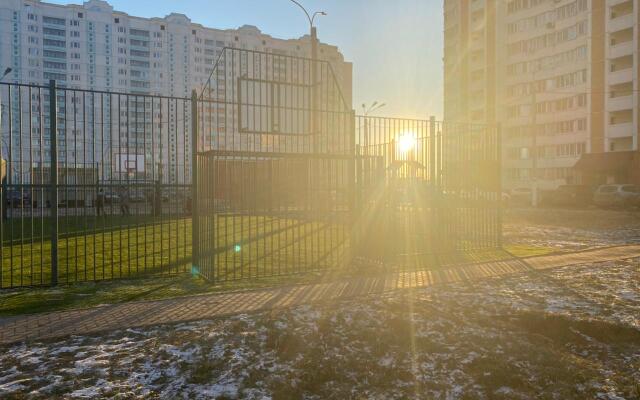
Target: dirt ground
{"x": 568, "y": 333}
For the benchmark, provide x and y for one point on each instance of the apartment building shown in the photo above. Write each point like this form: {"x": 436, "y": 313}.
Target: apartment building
{"x": 560, "y": 76}
{"x": 93, "y": 46}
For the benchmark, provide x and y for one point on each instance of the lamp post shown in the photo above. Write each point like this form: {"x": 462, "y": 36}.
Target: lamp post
{"x": 314, "y": 57}
{"x": 375, "y": 106}
{"x": 312, "y": 28}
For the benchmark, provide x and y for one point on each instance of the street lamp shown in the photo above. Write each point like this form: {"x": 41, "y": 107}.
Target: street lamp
{"x": 312, "y": 28}
{"x": 375, "y": 106}
{"x": 314, "y": 73}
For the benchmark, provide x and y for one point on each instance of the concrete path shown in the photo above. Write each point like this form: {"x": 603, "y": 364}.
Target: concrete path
{"x": 168, "y": 311}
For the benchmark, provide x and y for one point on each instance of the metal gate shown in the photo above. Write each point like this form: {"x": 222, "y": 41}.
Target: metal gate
{"x": 275, "y": 178}
{"x": 290, "y": 180}
{"x": 425, "y": 189}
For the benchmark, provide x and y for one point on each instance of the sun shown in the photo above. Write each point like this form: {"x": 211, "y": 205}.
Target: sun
{"x": 406, "y": 142}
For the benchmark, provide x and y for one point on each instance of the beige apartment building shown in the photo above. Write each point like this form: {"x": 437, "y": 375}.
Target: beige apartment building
{"x": 560, "y": 76}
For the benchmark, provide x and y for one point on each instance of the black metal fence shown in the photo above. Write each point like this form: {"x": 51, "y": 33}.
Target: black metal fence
{"x": 275, "y": 168}
{"x": 290, "y": 180}
{"x": 425, "y": 188}
{"x": 97, "y": 185}
{"x": 265, "y": 172}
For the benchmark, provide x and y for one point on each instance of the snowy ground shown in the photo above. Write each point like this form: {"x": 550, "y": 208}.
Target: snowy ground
{"x": 569, "y": 333}
{"x": 569, "y": 230}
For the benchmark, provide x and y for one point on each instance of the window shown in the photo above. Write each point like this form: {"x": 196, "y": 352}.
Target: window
{"x": 54, "y": 21}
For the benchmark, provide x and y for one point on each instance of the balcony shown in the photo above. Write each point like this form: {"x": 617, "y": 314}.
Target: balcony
{"x": 620, "y": 130}
{"x": 622, "y": 76}
{"x": 620, "y": 23}
{"x": 620, "y": 103}
{"x": 621, "y": 50}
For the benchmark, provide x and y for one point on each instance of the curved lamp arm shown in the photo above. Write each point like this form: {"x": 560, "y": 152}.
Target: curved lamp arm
{"x": 305, "y": 11}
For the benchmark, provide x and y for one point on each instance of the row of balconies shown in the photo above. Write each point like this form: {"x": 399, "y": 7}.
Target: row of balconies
{"x": 619, "y": 102}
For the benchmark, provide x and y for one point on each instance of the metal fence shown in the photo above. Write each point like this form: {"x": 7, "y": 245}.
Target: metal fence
{"x": 275, "y": 168}
{"x": 290, "y": 180}
{"x": 265, "y": 172}
{"x": 97, "y": 185}
{"x": 425, "y": 188}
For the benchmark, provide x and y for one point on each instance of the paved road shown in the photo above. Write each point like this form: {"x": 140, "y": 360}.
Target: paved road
{"x": 182, "y": 309}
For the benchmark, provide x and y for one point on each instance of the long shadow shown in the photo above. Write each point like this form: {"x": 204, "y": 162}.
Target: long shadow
{"x": 542, "y": 275}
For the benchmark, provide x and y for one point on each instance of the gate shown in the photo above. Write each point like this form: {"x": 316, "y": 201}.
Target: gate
{"x": 290, "y": 180}
{"x": 275, "y": 178}
{"x": 426, "y": 189}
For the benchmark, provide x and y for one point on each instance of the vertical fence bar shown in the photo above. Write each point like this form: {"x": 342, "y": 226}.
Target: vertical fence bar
{"x": 498, "y": 172}
{"x": 434, "y": 207}
{"x": 53, "y": 184}
{"x": 194, "y": 182}
{"x": 352, "y": 182}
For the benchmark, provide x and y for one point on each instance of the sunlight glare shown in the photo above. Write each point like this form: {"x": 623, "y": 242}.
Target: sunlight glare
{"x": 406, "y": 142}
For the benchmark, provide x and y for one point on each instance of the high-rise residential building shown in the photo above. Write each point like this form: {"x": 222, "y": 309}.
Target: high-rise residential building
{"x": 560, "y": 76}
{"x": 93, "y": 46}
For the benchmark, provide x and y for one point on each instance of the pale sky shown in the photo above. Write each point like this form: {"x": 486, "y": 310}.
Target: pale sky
{"x": 396, "y": 46}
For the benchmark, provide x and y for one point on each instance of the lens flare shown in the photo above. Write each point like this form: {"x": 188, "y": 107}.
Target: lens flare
{"x": 406, "y": 142}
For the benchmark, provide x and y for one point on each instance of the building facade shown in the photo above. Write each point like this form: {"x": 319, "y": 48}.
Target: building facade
{"x": 92, "y": 46}
{"x": 560, "y": 76}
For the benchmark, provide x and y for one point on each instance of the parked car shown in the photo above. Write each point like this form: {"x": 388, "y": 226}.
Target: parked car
{"x": 568, "y": 195}
{"x": 520, "y": 196}
{"x": 617, "y": 196}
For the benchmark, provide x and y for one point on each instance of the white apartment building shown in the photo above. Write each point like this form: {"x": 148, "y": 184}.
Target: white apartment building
{"x": 92, "y": 46}
{"x": 560, "y": 76}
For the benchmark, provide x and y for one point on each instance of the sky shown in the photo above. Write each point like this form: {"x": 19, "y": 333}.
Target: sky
{"x": 396, "y": 46}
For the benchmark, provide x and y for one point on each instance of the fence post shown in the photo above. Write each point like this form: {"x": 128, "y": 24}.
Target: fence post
{"x": 195, "y": 242}
{"x": 354, "y": 204}
{"x": 499, "y": 183}
{"x": 53, "y": 184}
{"x": 433, "y": 197}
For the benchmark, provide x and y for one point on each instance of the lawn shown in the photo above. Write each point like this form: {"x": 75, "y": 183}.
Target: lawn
{"x": 88, "y": 294}
{"x": 94, "y": 248}
{"x": 137, "y": 249}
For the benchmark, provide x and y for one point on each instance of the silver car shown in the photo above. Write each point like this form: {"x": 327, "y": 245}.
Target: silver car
{"x": 618, "y": 196}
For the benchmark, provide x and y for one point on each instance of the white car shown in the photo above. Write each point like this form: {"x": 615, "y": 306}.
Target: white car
{"x": 617, "y": 196}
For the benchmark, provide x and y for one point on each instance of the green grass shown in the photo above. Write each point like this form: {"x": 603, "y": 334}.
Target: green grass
{"x": 521, "y": 250}
{"x": 82, "y": 295}
{"x": 151, "y": 259}
{"x": 121, "y": 247}
{"x": 125, "y": 247}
